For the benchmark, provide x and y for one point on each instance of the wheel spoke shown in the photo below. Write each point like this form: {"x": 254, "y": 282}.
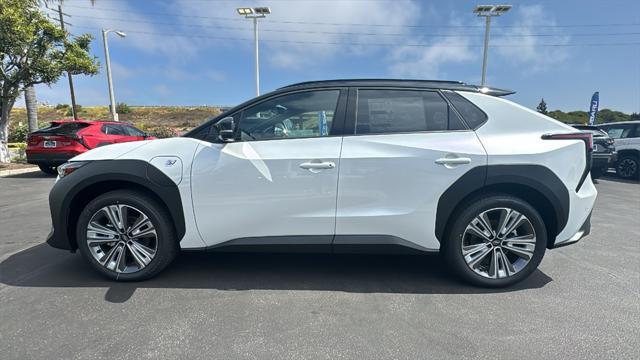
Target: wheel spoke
{"x": 509, "y": 222}
{"x": 141, "y": 228}
{"x": 481, "y": 228}
{"x": 99, "y": 235}
{"x": 525, "y": 252}
{"x": 141, "y": 254}
{"x": 475, "y": 258}
{"x": 117, "y": 216}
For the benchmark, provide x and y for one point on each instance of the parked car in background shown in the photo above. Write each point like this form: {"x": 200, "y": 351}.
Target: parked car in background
{"x": 64, "y": 139}
{"x": 626, "y": 136}
{"x": 604, "y": 151}
{"x": 342, "y": 166}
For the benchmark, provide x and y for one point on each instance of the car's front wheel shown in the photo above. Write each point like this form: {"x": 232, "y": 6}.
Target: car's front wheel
{"x": 126, "y": 235}
{"x": 495, "y": 241}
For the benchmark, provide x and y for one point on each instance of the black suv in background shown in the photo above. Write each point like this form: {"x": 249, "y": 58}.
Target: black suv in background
{"x": 604, "y": 150}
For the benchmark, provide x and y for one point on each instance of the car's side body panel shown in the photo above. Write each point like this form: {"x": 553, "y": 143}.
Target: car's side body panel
{"x": 513, "y": 135}
{"x": 258, "y": 188}
{"x": 390, "y": 184}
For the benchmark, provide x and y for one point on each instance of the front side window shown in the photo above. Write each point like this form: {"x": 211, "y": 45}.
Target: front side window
{"x": 398, "y": 111}
{"x": 297, "y": 115}
{"x": 131, "y": 131}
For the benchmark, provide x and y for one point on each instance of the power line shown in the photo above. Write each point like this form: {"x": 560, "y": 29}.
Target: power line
{"x": 345, "y": 33}
{"x": 365, "y": 44}
{"x": 352, "y": 24}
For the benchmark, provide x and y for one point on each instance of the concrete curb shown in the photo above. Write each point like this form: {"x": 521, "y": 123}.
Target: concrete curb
{"x": 4, "y": 173}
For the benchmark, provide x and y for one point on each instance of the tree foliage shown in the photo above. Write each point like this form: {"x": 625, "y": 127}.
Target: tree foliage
{"x": 582, "y": 117}
{"x": 542, "y": 107}
{"x": 35, "y": 51}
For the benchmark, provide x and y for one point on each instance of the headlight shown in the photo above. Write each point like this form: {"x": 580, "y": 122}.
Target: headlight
{"x": 67, "y": 168}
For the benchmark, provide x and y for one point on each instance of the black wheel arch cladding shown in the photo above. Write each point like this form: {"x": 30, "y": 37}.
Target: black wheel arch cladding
{"x": 532, "y": 183}
{"x": 98, "y": 177}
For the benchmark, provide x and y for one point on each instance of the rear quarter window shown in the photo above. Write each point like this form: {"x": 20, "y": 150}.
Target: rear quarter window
{"x": 472, "y": 115}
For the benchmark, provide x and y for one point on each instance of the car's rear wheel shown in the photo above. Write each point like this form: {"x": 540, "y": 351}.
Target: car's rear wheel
{"x": 627, "y": 166}
{"x": 48, "y": 169}
{"x": 126, "y": 235}
{"x": 496, "y": 241}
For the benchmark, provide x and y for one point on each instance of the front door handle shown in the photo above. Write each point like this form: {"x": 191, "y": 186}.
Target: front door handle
{"x": 315, "y": 166}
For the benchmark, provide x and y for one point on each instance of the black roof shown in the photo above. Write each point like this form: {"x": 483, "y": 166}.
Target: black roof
{"x": 428, "y": 84}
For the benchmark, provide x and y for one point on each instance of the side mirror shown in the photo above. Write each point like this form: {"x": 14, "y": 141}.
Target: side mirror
{"x": 226, "y": 129}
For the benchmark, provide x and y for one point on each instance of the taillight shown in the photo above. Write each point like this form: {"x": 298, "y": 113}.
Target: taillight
{"x": 588, "y": 144}
{"x": 584, "y": 136}
{"x": 32, "y": 140}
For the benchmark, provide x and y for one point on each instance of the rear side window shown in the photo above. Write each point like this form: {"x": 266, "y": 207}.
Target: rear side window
{"x": 69, "y": 128}
{"x": 621, "y": 131}
{"x": 398, "y": 111}
{"x": 472, "y": 115}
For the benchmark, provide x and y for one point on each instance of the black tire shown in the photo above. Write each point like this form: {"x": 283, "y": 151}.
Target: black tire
{"x": 628, "y": 167}
{"x": 167, "y": 243}
{"x": 452, "y": 247}
{"x": 596, "y": 173}
{"x": 48, "y": 169}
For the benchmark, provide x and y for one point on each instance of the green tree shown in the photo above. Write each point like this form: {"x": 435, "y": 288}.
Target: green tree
{"x": 542, "y": 107}
{"x": 34, "y": 51}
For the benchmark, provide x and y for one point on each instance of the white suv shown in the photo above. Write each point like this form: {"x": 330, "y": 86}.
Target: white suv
{"x": 341, "y": 166}
{"x": 626, "y": 136}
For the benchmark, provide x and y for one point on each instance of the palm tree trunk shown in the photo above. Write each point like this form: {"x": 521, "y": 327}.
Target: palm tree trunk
{"x": 32, "y": 107}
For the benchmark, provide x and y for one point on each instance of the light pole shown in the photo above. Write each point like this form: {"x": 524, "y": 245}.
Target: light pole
{"x": 114, "y": 115}
{"x": 255, "y": 14}
{"x": 488, "y": 11}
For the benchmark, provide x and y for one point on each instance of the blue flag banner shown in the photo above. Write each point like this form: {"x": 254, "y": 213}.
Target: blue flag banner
{"x": 593, "y": 108}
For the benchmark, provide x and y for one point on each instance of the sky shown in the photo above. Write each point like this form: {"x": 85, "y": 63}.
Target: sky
{"x": 200, "y": 52}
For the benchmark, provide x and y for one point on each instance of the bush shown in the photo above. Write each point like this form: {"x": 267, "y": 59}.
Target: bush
{"x": 162, "y": 132}
{"x": 70, "y": 113}
{"x": 62, "y": 106}
{"x": 18, "y": 133}
{"x": 122, "y": 108}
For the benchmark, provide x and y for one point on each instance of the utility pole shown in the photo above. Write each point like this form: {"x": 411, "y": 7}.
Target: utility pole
{"x": 73, "y": 93}
{"x": 488, "y": 11}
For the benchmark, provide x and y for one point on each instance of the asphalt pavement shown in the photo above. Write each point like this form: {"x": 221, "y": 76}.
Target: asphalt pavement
{"x": 583, "y": 302}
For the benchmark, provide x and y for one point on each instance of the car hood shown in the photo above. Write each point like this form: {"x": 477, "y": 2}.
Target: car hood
{"x": 110, "y": 152}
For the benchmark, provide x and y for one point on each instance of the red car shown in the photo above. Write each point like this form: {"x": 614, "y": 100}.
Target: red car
{"x": 64, "y": 139}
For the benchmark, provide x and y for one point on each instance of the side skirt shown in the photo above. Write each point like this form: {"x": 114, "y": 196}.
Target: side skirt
{"x": 324, "y": 244}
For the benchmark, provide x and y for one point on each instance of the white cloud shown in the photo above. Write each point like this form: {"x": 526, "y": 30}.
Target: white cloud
{"x": 425, "y": 62}
{"x": 304, "y": 43}
{"x": 525, "y": 49}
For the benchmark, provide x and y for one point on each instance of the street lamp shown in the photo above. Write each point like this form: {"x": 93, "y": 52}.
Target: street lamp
{"x": 488, "y": 11}
{"x": 255, "y": 13}
{"x": 114, "y": 115}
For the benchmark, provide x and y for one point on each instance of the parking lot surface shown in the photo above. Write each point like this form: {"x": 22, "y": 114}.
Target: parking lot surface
{"x": 583, "y": 302}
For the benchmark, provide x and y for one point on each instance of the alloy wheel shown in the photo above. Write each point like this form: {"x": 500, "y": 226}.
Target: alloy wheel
{"x": 122, "y": 238}
{"x": 498, "y": 243}
{"x": 627, "y": 167}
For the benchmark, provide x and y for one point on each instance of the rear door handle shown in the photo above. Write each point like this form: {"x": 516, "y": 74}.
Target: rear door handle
{"x": 451, "y": 162}
{"x": 315, "y": 166}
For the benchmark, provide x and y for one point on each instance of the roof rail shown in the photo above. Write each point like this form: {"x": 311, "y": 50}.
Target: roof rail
{"x": 432, "y": 84}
